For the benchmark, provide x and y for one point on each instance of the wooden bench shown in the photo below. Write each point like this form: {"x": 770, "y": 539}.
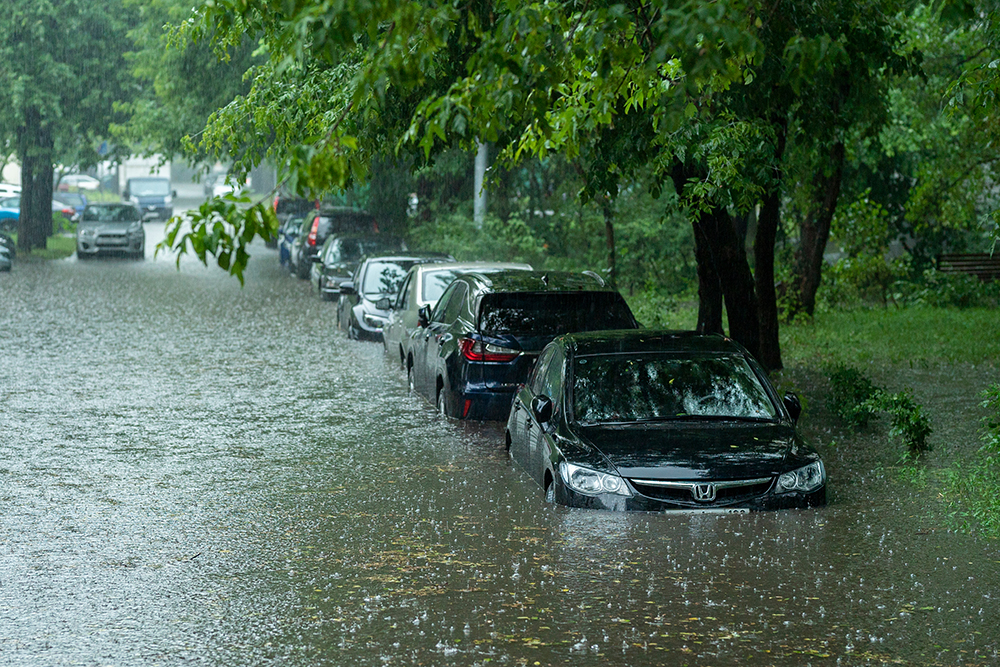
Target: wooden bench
{"x": 983, "y": 265}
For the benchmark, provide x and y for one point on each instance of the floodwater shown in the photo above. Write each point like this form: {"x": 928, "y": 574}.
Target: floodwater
{"x": 191, "y": 472}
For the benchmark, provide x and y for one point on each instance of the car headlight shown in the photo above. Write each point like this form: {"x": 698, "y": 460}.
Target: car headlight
{"x": 135, "y": 229}
{"x": 86, "y": 231}
{"x": 807, "y": 478}
{"x": 591, "y": 482}
{"x": 373, "y": 321}
{"x": 168, "y": 200}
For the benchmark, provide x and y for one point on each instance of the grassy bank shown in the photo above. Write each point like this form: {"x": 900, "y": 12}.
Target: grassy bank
{"x": 56, "y": 247}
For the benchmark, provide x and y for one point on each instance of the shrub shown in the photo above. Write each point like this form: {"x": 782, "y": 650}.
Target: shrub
{"x": 850, "y": 393}
{"x": 856, "y": 400}
{"x": 978, "y": 485}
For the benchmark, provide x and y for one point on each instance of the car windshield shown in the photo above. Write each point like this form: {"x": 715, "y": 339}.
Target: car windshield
{"x": 69, "y": 198}
{"x": 352, "y": 250}
{"x": 434, "y": 283}
{"x": 149, "y": 187}
{"x": 385, "y": 277}
{"x": 111, "y": 214}
{"x": 11, "y": 202}
{"x": 625, "y": 388}
{"x": 553, "y": 313}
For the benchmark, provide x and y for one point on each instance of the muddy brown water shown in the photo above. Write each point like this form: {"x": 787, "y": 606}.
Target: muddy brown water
{"x": 191, "y": 472}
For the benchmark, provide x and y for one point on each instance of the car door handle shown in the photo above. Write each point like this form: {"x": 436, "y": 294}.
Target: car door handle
{"x": 529, "y": 424}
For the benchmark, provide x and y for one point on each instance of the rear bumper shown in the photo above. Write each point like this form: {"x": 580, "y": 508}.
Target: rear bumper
{"x": 484, "y": 404}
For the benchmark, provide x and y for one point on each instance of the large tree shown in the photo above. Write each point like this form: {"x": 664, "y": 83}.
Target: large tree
{"x": 63, "y": 72}
{"x": 703, "y": 96}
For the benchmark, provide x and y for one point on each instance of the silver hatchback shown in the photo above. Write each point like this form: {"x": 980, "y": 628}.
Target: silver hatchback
{"x": 110, "y": 229}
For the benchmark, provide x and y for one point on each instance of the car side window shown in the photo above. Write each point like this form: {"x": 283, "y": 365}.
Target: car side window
{"x": 536, "y": 382}
{"x": 404, "y": 292}
{"x": 552, "y": 380}
{"x": 456, "y": 304}
{"x": 451, "y": 303}
{"x": 442, "y": 304}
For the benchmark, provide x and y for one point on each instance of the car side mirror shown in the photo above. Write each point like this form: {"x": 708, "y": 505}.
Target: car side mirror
{"x": 424, "y": 316}
{"x": 384, "y": 303}
{"x": 541, "y": 407}
{"x": 173, "y": 193}
{"x": 347, "y": 288}
{"x": 793, "y": 405}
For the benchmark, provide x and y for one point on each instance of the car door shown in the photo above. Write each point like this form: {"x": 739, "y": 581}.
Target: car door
{"x": 422, "y": 341}
{"x": 520, "y": 409}
{"x": 395, "y": 326}
{"x": 441, "y": 362}
{"x": 539, "y": 436}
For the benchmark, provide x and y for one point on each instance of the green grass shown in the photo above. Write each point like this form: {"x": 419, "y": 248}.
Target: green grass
{"x": 914, "y": 336}
{"x": 56, "y": 247}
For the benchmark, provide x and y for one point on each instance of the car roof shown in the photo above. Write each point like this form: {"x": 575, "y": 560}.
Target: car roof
{"x": 435, "y": 257}
{"x": 537, "y": 281}
{"x": 473, "y": 267}
{"x": 649, "y": 340}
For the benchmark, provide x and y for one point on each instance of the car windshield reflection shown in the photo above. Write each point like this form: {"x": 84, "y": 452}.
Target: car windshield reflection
{"x": 624, "y": 388}
{"x": 114, "y": 213}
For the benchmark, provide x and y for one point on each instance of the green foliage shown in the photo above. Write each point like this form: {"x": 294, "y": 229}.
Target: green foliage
{"x": 850, "y": 394}
{"x": 951, "y": 290}
{"x": 857, "y": 401}
{"x": 907, "y": 420}
{"x": 208, "y": 232}
{"x": 496, "y": 240}
{"x": 976, "y": 486}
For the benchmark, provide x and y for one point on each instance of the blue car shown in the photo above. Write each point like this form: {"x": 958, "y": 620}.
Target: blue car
{"x": 481, "y": 340}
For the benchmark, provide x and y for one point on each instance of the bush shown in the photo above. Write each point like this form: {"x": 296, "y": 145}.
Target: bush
{"x": 857, "y": 401}
{"x": 850, "y": 393}
{"x": 978, "y": 485}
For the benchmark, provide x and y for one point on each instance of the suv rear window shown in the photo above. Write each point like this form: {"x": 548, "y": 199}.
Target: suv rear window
{"x": 553, "y": 313}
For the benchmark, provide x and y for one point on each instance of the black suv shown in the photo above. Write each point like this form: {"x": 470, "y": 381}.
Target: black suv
{"x": 482, "y": 338}
{"x": 319, "y": 225}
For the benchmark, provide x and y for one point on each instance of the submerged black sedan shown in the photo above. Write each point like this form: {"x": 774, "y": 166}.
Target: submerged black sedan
{"x": 660, "y": 421}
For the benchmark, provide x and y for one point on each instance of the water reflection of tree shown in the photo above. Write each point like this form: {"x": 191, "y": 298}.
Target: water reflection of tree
{"x": 628, "y": 388}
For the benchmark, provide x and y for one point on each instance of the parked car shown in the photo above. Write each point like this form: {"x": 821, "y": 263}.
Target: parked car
{"x": 77, "y": 200}
{"x": 9, "y": 189}
{"x": 6, "y": 262}
{"x": 483, "y": 336}
{"x": 153, "y": 196}
{"x": 340, "y": 257}
{"x": 319, "y": 225}
{"x": 287, "y": 233}
{"x": 423, "y": 286}
{"x": 10, "y": 211}
{"x": 287, "y": 207}
{"x": 79, "y": 182}
{"x": 8, "y": 243}
{"x": 110, "y": 229}
{"x": 361, "y": 311}
{"x": 660, "y": 421}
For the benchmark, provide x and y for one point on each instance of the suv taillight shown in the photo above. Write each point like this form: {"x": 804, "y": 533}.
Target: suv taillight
{"x": 477, "y": 350}
{"x": 312, "y": 232}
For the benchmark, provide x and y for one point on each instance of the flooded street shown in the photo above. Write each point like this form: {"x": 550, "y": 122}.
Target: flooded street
{"x": 192, "y": 472}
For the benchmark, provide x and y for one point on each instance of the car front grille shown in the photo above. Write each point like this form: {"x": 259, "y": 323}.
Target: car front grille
{"x": 111, "y": 240}
{"x": 705, "y": 493}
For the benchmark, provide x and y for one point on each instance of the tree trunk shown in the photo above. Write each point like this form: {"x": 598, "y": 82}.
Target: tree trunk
{"x": 767, "y": 229}
{"x": 764, "y": 239}
{"x": 814, "y": 234}
{"x": 35, "y": 148}
{"x": 709, "y": 284}
{"x": 609, "y": 237}
{"x": 730, "y": 258}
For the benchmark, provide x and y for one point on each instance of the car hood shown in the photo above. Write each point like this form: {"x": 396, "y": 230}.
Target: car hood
{"x": 705, "y": 450}
{"x": 106, "y": 226}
